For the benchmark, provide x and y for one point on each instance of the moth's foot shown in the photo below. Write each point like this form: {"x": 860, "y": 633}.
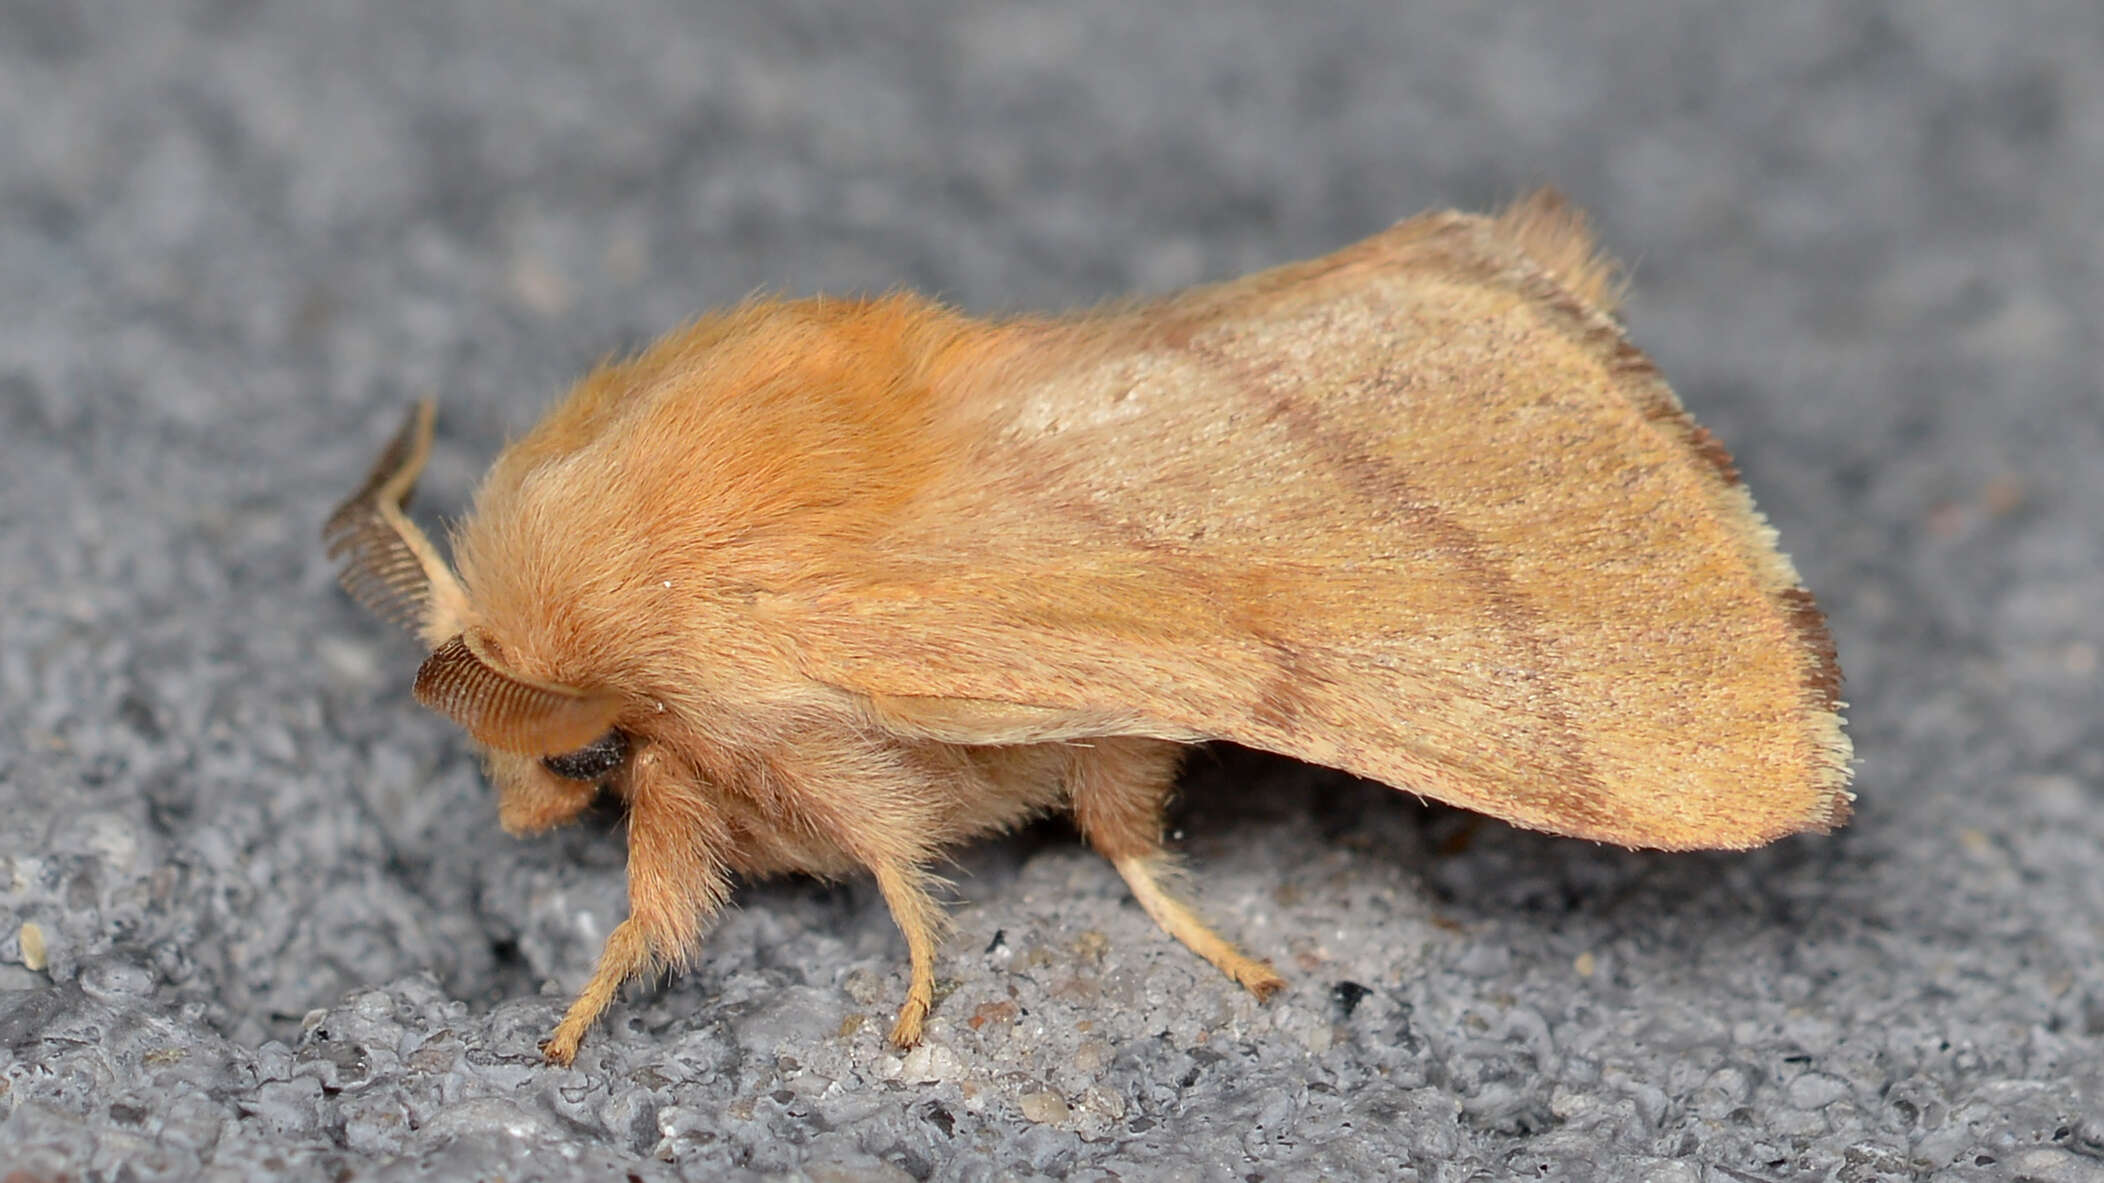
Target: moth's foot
{"x": 560, "y": 1048}
{"x": 1256, "y": 976}
{"x": 906, "y": 1032}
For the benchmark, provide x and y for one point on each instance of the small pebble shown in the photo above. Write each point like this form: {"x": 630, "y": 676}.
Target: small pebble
{"x": 1044, "y": 1107}
{"x": 34, "y": 954}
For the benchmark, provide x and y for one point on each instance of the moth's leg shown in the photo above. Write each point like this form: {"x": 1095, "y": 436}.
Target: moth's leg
{"x": 905, "y": 889}
{"x": 1119, "y": 789}
{"x": 676, "y": 881}
{"x": 627, "y": 953}
{"x": 1144, "y": 873}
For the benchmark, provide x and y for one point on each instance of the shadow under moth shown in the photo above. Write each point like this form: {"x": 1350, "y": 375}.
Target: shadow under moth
{"x": 828, "y": 585}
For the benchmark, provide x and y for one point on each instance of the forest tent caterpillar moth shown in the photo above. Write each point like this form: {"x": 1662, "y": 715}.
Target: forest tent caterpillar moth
{"x": 832, "y": 585}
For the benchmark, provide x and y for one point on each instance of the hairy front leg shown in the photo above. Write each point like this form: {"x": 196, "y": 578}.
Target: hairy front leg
{"x": 676, "y": 882}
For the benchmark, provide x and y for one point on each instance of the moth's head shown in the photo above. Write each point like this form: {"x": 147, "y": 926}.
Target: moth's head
{"x": 550, "y": 746}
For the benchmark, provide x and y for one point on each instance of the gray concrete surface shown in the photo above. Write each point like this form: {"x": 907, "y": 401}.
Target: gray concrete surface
{"x": 285, "y": 938}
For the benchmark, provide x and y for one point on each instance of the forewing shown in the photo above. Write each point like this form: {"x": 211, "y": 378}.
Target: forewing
{"x": 1416, "y": 510}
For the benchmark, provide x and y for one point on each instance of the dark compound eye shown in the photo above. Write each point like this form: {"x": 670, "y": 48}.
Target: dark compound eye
{"x": 593, "y": 761}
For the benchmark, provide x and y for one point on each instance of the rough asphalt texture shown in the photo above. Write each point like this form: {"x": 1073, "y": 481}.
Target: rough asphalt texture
{"x": 284, "y": 937}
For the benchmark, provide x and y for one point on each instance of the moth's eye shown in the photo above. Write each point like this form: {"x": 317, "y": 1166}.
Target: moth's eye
{"x": 593, "y": 761}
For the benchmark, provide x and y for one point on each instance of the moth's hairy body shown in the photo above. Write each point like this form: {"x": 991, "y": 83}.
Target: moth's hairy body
{"x": 856, "y": 581}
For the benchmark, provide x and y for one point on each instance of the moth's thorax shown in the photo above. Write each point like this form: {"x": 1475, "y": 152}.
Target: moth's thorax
{"x": 664, "y": 528}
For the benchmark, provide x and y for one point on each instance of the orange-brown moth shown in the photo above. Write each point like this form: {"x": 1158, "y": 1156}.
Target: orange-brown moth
{"x": 831, "y": 585}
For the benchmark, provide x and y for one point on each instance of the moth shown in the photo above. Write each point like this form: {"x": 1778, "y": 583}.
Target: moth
{"x": 831, "y": 585}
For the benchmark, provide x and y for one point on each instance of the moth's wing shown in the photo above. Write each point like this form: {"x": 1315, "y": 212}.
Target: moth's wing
{"x": 1416, "y": 510}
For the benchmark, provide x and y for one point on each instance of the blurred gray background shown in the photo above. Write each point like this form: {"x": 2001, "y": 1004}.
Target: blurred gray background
{"x": 286, "y": 939}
